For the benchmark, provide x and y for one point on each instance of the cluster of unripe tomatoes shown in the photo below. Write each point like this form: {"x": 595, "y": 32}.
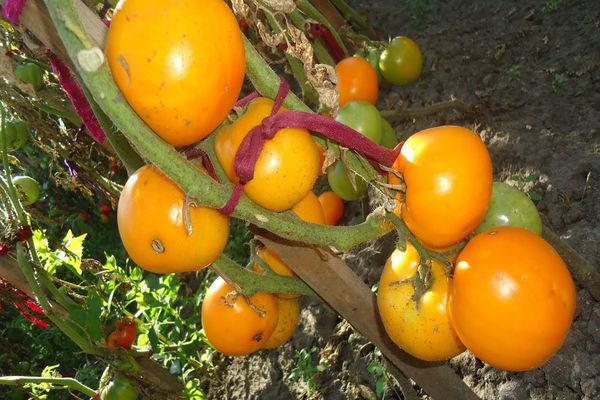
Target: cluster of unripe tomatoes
{"x": 510, "y": 299}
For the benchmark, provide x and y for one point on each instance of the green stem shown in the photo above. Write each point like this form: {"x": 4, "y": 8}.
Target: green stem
{"x": 57, "y": 383}
{"x": 131, "y": 160}
{"x": 68, "y": 115}
{"x": 250, "y": 282}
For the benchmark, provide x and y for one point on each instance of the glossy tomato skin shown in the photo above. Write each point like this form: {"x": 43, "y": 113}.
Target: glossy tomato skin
{"x": 287, "y": 167}
{"x": 509, "y": 206}
{"x": 357, "y": 80}
{"x": 362, "y": 117}
{"x": 341, "y": 184}
{"x": 151, "y": 208}
{"x": 513, "y": 298}
{"x": 288, "y": 318}
{"x": 180, "y": 67}
{"x": 448, "y": 176}
{"x": 309, "y": 209}
{"x": 401, "y": 62}
{"x": 232, "y": 325}
{"x": 423, "y": 327}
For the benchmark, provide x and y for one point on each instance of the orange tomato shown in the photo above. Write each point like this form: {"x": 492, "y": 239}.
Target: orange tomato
{"x": 150, "y": 217}
{"x": 309, "y": 209}
{"x": 234, "y": 324}
{"x": 333, "y": 207}
{"x": 289, "y": 316}
{"x": 448, "y": 176}
{"x": 287, "y": 167}
{"x": 180, "y": 66}
{"x": 513, "y": 298}
{"x": 421, "y": 327}
{"x": 278, "y": 266}
{"x": 357, "y": 80}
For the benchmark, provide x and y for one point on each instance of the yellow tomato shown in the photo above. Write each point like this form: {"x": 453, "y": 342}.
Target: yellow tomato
{"x": 179, "y": 64}
{"x": 150, "y": 217}
{"x": 287, "y": 167}
{"x": 420, "y": 326}
{"x": 289, "y": 316}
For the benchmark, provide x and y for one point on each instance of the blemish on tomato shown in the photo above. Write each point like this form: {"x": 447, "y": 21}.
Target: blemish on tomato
{"x": 125, "y": 66}
{"x": 258, "y": 337}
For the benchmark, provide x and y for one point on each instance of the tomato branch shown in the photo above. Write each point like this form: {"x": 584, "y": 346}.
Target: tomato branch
{"x": 56, "y": 383}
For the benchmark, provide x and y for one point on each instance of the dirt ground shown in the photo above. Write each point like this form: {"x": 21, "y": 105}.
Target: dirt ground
{"x": 532, "y": 70}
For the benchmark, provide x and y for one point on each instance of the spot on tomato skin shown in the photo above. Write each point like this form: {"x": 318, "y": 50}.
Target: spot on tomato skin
{"x": 258, "y": 337}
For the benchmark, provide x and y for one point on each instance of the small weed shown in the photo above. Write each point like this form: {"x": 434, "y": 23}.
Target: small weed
{"x": 558, "y": 81}
{"x": 514, "y": 72}
{"x": 377, "y": 368}
{"x": 417, "y": 10}
{"x": 524, "y": 183}
{"x": 306, "y": 369}
{"x": 551, "y": 5}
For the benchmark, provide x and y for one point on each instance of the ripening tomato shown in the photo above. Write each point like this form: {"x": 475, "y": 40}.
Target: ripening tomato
{"x": 235, "y": 324}
{"x": 120, "y": 388}
{"x": 180, "y": 66}
{"x": 333, "y": 207}
{"x": 309, "y": 209}
{"x": 357, "y": 80}
{"x": 513, "y": 298}
{"x": 128, "y": 332}
{"x": 448, "y": 176}
{"x": 401, "y": 62}
{"x": 151, "y": 220}
{"x": 287, "y": 167}
{"x": 287, "y": 321}
{"x": 510, "y": 207}
{"x": 277, "y": 265}
{"x": 421, "y": 327}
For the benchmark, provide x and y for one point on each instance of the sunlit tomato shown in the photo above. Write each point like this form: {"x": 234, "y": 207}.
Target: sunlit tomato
{"x": 362, "y": 117}
{"x": 422, "y": 327}
{"x": 509, "y": 206}
{"x": 357, "y": 80}
{"x": 333, "y": 207}
{"x": 180, "y": 67}
{"x": 513, "y": 299}
{"x": 234, "y": 324}
{"x": 30, "y": 73}
{"x": 388, "y": 135}
{"x": 287, "y": 322}
{"x": 448, "y": 176}
{"x": 401, "y": 62}
{"x": 120, "y": 388}
{"x": 113, "y": 340}
{"x": 309, "y": 209}
{"x": 127, "y": 329}
{"x": 28, "y": 189}
{"x": 287, "y": 167}
{"x": 16, "y": 134}
{"x": 151, "y": 219}
{"x": 341, "y": 184}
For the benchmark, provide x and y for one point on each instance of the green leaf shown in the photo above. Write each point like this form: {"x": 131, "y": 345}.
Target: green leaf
{"x": 380, "y": 388}
{"x": 153, "y": 337}
{"x": 94, "y": 323}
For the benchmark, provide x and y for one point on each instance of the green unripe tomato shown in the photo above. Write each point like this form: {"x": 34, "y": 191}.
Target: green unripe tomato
{"x": 16, "y": 133}
{"x": 30, "y": 73}
{"x": 509, "y": 206}
{"x": 363, "y": 117}
{"x": 401, "y": 62}
{"x": 119, "y": 389}
{"x": 27, "y": 188}
{"x": 341, "y": 184}
{"x": 388, "y": 136}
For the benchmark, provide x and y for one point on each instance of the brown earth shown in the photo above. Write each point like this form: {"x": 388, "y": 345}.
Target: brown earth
{"x": 533, "y": 74}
